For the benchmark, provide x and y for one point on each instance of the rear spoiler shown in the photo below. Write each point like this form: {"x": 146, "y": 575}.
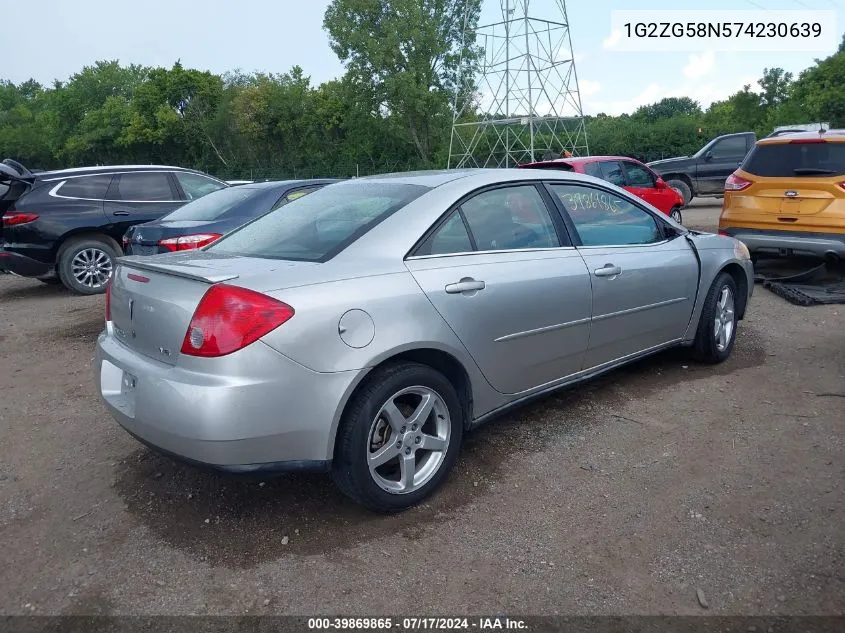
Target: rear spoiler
{"x": 13, "y": 171}
{"x": 186, "y": 272}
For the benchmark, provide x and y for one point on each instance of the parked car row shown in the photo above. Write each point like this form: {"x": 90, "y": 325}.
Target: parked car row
{"x": 69, "y": 226}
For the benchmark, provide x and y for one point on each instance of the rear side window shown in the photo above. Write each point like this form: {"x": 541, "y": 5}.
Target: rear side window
{"x": 321, "y": 224}
{"x": 594, "y": 170}
{"x": 196, "y": 186}
{"x": 141, "y": 187}
{"x": 786, "y": 160}
{"x": 293, "y": 195}
{"x": 214, "y": 205}
{"x": 639, "y": 176}
{"x": 88, "y": 187}
{"x": 612, "y": 172}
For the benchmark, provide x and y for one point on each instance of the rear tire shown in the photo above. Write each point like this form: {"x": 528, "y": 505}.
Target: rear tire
{"x": 386, "y": 458}
{"x": 682, "y": 188}
{"x": 85, "y": 264}
{"x": 716, "y": 335}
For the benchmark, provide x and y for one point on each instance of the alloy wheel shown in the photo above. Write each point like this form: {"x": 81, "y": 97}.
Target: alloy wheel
{"x": 724, "y": 322}
{"x": 91, "y": 267}
{"x": 408, "y": 440}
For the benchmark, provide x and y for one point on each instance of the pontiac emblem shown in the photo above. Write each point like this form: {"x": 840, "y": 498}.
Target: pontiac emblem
{"x": 790, "y": 194}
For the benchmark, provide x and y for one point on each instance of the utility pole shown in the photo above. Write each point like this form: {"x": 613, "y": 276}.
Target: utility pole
{"x": 529, "y": 102}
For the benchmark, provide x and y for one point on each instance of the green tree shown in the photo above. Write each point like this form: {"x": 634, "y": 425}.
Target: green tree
{"x": 669, "y": 107}
{"x": 410, "y": 55}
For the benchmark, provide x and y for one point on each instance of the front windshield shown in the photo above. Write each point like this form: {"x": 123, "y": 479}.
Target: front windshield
{"x": 318, "y": 226}
{"x": 213, "y": 205}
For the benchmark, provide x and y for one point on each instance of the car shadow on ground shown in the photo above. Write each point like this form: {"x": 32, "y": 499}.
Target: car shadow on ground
{"x": 238, "y": 522}
{"x": 33, "y": 290}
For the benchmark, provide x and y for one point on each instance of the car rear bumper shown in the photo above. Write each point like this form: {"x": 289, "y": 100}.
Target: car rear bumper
{"x": 22, "y": 265}
{"x": 763, "y": 242}
{"x": 252, "y": 411}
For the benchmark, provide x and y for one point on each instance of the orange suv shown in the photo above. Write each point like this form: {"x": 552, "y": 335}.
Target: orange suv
{"x": 788, "y": 196}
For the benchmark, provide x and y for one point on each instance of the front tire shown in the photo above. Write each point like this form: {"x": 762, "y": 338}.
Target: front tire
{"x": 716, "y": 335}
{"x": 675, "y": 214}
{"x": 399, "y": 438}
{"x": 682, "y": 188}
{"x": 86, "y": 264}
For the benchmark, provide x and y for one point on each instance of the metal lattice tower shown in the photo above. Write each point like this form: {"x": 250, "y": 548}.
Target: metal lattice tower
{"x": 527, "y": 94}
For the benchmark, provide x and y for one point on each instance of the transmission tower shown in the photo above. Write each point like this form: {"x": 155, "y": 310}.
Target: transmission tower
{"x": 526, "y": 94}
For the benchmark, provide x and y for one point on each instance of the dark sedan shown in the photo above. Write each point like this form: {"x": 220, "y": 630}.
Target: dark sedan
{"x": 203, "y": 221}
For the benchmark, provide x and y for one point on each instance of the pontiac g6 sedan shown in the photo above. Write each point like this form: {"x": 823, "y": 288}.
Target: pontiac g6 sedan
{"x": 365, "y": 328}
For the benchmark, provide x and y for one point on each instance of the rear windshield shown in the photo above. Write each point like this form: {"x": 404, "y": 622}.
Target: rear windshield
{"x": 318, "y": 226}
{"x": 213, "y": 205}
{"x": 796, "y": 159}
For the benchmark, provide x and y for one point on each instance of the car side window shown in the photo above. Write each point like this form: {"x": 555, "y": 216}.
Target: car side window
{"x": 450, "y": 237}
{"x": 603, "y": 218}
{"x": 86, "y": 188}
{"x": 611, "y": 171}
{"x": 195, "y": 185}
{"x": 141, "y": 187}
{"x": 510, "y": 218}
{"x": 293, "y": 195}
{"x": 593, "y": 169}
{"x": 639, "y": 176}
{"x": 733, "y": 147}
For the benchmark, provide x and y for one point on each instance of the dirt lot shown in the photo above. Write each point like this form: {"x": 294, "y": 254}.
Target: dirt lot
{"x": 625, "y": 496}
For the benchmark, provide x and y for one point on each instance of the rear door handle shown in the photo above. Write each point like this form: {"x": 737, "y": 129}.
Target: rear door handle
{"x": 121, "y": 213}
{"x": 608, "y": 270}
{"x": 465, "y": 285}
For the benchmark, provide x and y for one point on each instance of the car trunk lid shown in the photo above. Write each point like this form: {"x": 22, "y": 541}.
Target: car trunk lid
{"x": 144, "y": 239}
{"x": 153, "y": 299}
{"x": 796, "y": 196}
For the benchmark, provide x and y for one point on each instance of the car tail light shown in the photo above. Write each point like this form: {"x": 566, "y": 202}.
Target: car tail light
{"x": 189, "y": 242}
{"x": 125, "y": 241}
{"x": 229, "y": 318}
{"x": 735, "y": 183}
{"x": 108, "y": 301}
{"x": 15, "y": 218}
{"x": 721, "y": 232}
{"x": 842, "y": 184}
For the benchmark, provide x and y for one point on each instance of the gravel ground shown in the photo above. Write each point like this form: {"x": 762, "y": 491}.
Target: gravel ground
{"x": 627, "y": 496}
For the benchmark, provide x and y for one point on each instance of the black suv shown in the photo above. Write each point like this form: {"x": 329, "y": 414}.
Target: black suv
{"x": 66, "y": 226}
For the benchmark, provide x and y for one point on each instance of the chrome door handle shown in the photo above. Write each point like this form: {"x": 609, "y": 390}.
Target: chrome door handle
{"x": 465, "y": 285}
{"x": 608, "y": 270}
{"x": 121, "y": 213}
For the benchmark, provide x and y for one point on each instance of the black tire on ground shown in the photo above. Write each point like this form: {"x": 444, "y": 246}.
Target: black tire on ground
{"x": 350, "y": 468}
{"x": 101, "y": 248}
{"x": 706, "y": 348}
{"x": 682, "y": 188}
{"x": 676, "y": 215}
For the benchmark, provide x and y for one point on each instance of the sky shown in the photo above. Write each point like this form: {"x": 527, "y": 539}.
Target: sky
{"x": 274, "y": 35}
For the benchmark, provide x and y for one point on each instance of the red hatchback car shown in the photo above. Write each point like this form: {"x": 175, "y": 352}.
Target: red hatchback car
{"x": 628, "y": 173}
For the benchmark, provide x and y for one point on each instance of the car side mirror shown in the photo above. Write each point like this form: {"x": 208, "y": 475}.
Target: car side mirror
{"x": 708, "y": 155}
{"x": 660, "y": 184}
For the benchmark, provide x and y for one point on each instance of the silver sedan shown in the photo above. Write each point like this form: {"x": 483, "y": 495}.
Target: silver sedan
{"x": 364, "y": 329}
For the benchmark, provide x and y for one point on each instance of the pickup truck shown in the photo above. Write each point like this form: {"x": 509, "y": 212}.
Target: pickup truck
{"x": 703, "y": 174}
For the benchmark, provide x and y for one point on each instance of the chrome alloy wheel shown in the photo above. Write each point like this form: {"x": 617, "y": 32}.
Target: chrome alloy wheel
{"x": 725, "y": 321}
{"x": 408, "y": 440}
{"x": 91, "y": 267}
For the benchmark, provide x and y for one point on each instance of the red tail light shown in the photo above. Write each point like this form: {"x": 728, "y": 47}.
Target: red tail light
{"x": 721, "y": 232}
{"x": 735, "y": 183}
{"x": 842, "y": 184}
{"x": 108, "y": 301}
{"x": 14, "y": 218}
{"x": 189, "y": 242}
{"x": 229, "y": 318}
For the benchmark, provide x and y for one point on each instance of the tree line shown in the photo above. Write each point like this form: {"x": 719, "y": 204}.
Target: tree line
{"x": 391, "y": 110}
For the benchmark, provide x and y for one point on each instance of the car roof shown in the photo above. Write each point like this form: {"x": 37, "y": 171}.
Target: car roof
{"x": 837, "y": 136}
{"x": 108, "y": 169}
{"x": 427, "y": 178}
